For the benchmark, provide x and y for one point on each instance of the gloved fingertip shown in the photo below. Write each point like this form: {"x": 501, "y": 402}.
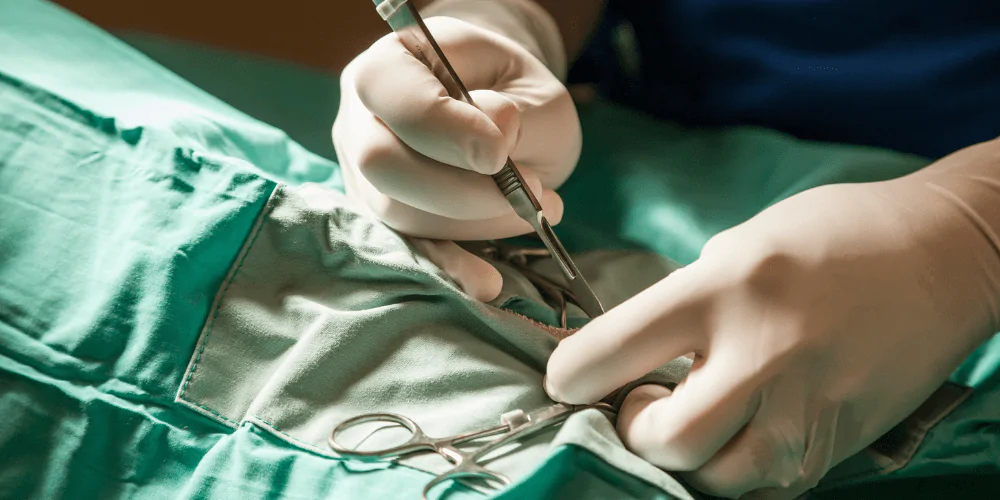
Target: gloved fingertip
{"x": 474, "y": 276}
{"x": 486, "y": 152}
{"x": 553, "y": 206}
{"x": 559, "y": 371}
{"x": 554, "y": 394}
{"x": 546, "y": 387}
{"x": 550, "y": 388}
{"x": 631, "y": 430}
{"x": 508, "y": 120}
{"x": 641, "y": 396}
{"x": 489, "y": 286}
{"x": 489, "y": 164}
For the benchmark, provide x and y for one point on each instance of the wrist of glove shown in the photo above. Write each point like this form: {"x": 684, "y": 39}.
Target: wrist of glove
{"x": 522, "y": 21}
{"x": 950, "y": 211}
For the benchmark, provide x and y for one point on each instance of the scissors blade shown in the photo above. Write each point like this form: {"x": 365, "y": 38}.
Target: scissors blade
{"x": 406, "y": 22}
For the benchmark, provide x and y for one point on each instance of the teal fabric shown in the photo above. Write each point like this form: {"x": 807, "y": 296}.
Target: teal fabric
{"x": 97, "y": 222}
{"x": 45, "y": 46}
{"x": 138, "y": 189}
{"x": 572, "y": 470}
{"x": 301, "y": 102}
{"x": 125, "y": 194}
{"x": 69, "y": 439}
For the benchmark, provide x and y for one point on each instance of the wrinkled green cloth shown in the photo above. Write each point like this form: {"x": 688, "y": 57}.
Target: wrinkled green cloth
{"x": 301, "y": 102}
{"x": 328, "y": 314}
{"x": 126, "y": 195}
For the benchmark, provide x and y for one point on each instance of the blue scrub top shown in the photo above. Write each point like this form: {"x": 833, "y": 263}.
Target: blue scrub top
{"x": 919, "y": 76}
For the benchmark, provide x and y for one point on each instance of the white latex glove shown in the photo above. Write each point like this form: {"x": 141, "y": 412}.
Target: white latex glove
{"x": 817, "y": 326}
{"x": 418, "y": 159}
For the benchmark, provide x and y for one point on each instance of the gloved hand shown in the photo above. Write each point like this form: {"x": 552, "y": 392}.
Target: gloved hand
{"x": 817, "y": 326}
{"x": 417, "y": 158}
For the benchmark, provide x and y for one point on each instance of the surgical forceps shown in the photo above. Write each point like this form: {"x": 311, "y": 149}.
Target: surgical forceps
{"x": 406, "y": 22}
{"x": 514, "y": 428}
{"x": 556, "y": 294}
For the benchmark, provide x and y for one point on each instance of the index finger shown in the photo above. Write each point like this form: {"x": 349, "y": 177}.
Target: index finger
{"x": 663, "y": 322}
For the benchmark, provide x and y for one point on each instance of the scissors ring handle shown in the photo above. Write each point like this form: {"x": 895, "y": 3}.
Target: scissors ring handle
{"x": 467, "y": 470}
{"x": 418, "y": 440}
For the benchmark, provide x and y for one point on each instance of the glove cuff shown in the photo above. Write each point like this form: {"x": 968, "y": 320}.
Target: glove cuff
{"x": 522, "y": 21}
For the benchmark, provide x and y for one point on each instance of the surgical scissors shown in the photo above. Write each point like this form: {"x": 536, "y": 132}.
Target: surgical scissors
{"x": 515, "y": 427}
{"x": 406, "y": 22}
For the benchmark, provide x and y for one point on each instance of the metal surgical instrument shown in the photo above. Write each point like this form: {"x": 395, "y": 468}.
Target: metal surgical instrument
{"x": 406, "y": 22}
{"x": 515, "y": 427}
